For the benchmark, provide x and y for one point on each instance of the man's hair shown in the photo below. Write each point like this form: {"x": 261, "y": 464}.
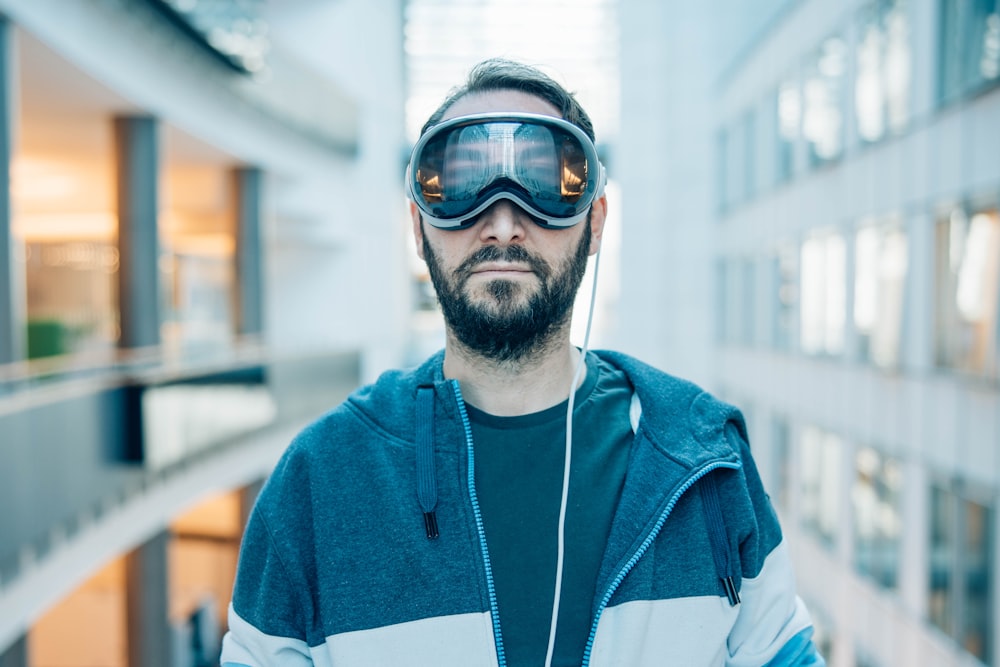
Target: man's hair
{"x": 502, "y": 74}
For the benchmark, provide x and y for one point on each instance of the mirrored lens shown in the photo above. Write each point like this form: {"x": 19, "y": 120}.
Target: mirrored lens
{"x": 542, "y": 164}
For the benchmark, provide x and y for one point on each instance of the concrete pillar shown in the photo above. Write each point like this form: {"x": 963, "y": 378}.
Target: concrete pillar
{"x": 248, "y": 496}
{"x": 12, "y": 344}
{"x": 16, "y": 654}
{"x": 147, "y": 597}
{"x": 137, "y": 174}
{"x": 249, "y": 251}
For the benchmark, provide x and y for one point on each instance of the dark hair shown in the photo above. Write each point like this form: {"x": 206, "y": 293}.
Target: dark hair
{"x": 502, "y": 74}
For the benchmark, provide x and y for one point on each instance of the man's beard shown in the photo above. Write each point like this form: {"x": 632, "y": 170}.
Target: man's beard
{"x": 506, "y": 328}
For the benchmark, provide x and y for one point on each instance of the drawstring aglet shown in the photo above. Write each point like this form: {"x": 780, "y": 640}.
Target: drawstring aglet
{"x": 731, "y": 592}
{"x": 431, "y": 525}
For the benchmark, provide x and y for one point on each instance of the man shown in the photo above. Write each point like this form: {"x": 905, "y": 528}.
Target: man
{"x": 428, "y": 520}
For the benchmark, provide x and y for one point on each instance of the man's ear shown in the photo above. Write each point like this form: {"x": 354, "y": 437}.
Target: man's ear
{"x": 598, "y": 214}
{"x": 418, "y": 230}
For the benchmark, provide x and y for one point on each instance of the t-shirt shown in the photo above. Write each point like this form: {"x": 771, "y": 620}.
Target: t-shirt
{"x": 518, "y": 474}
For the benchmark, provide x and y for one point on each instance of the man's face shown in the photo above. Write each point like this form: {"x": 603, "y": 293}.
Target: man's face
{"x": 507, "y": 285}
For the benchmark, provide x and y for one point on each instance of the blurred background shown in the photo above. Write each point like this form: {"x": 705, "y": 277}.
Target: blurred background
{"x": 204, "y": 244}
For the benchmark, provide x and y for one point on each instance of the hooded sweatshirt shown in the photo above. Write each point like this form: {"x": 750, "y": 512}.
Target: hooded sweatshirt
{"x": 366, "y": 545}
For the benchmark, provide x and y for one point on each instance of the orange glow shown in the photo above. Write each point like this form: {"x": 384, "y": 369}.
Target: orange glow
{"x": 87, "y": 627}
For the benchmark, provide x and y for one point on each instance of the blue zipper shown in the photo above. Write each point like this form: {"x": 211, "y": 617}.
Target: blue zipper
{"x": 471, "y": 479}
{"x": 643, "y": 547}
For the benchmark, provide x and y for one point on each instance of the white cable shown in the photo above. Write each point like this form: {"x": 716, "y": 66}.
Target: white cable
{"x": 560, "y": 539}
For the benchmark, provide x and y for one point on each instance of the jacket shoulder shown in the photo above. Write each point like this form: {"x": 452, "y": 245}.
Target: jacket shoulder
{"x": 676, "y": 410}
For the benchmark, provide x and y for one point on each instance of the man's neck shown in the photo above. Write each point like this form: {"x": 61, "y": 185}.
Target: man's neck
{"x": 510, "y": 388}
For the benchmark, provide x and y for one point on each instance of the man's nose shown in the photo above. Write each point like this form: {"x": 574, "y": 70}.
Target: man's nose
{"x": 503, "y": 223}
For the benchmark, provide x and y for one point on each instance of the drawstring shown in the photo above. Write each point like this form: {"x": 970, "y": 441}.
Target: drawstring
{"x": 426, "y": 480}
{"x": 717, "y": 535}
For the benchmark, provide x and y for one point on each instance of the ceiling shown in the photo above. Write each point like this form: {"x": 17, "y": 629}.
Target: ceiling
{"x": 63, "y": 112}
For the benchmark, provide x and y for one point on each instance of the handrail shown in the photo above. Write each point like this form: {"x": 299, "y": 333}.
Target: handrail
{"x": 301, "y": 386}
{"x": 151, "y": 363}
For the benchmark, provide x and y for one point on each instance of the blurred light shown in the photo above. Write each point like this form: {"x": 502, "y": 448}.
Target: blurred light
{"x": 66, "y": 226}
{"x": 977, "y": 278}
{"x": 445, "y": 38}
{"x": 34, "y": 179}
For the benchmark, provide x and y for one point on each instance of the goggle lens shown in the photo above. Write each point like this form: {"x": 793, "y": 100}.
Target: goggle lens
{"x": 545, "y": 164}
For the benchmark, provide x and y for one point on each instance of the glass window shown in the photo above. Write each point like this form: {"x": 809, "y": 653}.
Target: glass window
{"x": 823, "y": 295}
{"x": 880, "y": 268}
{"x": 943, "y": 558}
{"x": 722, "y": 150}
{"x": 747, "y": 301}
{"x": 970, "y": 47}
{"x": 788, "y": 106}
{"x": 960, "y": 580}
{"x": 822, "y": 121}
{"x": 977, "y": 550}
{"x": 749, "y": 154}
{"x": 875, "y": 500}
{"x": 62, "y": 215}
{"x": 883, "y": 70}
{"x": 780, "y": 453}
{"x": 736, "y": 292}
{"x": 197, "y": 264}
{"x": 785, "y": 291}
{"x": 722, "y": 316}
{"x": 819, "y": 466}
{"x": 967, "y": 277}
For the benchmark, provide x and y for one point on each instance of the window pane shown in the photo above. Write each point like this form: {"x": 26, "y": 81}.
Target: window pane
{"x": 811, "y": 309}
{"x": 976, "y": 552}
{"x": 785, "y": 295}
{"x": 789, "y": 114}
{"x": 950, "y": 66}
{"x": 749, "y": 154}
{"x": 967, "y": 275}
{"x": 897, "y": 64}
{"x": 983, "y": 56}
{"x": 879, "y": 286}
{"x": 961, "y": 541}
{"x": 781, "y": 446}
{"x": 877, "y": 521}
{"x": 819, "y": 473}
{"x": 722, "y": 317}
{"x": 747, "y": 301}
{"x": 942, "y": 559}
{"x": 63, "y": 218}
{"x": 823, "y": 289}
{"x": 869, "y": 92}
{"x": 722, "y": 149}
{"x": 822, "y": 123}
{"x": 970, "y": 47}
{"x": 197, "y": 265}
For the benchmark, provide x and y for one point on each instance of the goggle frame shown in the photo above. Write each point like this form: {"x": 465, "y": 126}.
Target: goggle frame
{"x": 518, "y": 195}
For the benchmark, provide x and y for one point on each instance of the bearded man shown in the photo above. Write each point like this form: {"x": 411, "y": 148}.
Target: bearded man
{"x": 516, "y": 500}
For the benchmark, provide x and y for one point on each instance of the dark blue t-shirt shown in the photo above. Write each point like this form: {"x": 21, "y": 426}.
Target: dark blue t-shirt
{"x": 518, "y": 471}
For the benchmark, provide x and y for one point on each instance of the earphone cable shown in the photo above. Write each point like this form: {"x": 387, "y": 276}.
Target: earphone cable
{"x": 560, "y": 534}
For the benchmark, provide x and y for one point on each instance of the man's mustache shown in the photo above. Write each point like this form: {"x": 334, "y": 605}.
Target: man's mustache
{"x": 512, "y": 253}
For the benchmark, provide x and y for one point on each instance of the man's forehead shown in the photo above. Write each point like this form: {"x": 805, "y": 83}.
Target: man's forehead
{"x": 500, "y": 101}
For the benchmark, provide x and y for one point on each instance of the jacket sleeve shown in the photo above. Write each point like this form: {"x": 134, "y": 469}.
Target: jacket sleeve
{"x": 773, "y": 628}
{"x": 266, "y": 619}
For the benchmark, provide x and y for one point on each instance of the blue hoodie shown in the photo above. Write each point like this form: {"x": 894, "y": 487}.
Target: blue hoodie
{"x": 336, "y": 568}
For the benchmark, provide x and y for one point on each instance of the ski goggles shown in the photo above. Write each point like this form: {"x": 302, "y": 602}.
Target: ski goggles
{"x": 546, "y": 165}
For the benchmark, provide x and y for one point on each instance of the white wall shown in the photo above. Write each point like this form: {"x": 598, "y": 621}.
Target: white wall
{"x": 359, "y": 44}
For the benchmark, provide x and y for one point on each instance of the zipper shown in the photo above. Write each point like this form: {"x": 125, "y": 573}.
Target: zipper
{"x": 471, "y": 481}
{"x": 698, "y": 474}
